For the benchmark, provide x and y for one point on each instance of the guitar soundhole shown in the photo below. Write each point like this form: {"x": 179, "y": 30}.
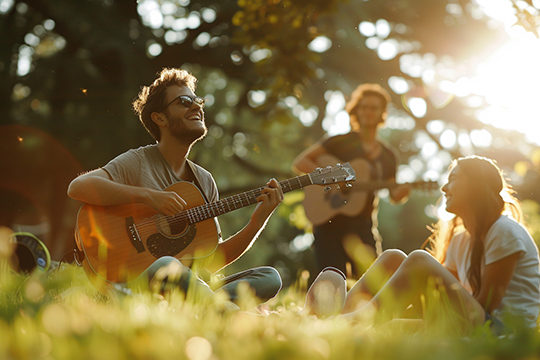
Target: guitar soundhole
{"x": 171, "y": 226}
{"x": 337, "y": 198}
{"x": 173, "y": 237}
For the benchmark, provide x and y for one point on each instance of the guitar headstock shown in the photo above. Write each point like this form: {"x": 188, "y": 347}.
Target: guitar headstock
{"x": 333, "y": 174}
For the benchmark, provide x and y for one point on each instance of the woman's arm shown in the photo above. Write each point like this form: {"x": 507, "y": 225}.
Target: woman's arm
{"x": 495, "y": 281}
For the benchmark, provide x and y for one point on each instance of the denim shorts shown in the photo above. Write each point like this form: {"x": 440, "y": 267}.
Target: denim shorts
{"x": 496, "y": 325}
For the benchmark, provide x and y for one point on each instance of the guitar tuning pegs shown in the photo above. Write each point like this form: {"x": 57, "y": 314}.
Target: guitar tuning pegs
{"x": 349, "y": 185}
{"x": 327, "y": 188}
{"x": 337, "y": 186}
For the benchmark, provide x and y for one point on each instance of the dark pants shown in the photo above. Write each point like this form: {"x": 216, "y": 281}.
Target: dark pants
{"x": 496, "y": 325}
{"x": 329, "y": 241}
{"x": 168, "y": 272}
{"x": 265, "y": 281}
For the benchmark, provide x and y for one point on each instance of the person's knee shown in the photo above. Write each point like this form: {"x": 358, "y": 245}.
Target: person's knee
{"x": 167, "y": 266}
{"x": 420, "y": 255}
{"x": 330, "y": 275}
{"x": 393, "y": 255}
{"x": 391, "y": 259}
{"x": 166, "y": 260}
{"x": 420, "y": 259}
{"x": 272, "y": 280}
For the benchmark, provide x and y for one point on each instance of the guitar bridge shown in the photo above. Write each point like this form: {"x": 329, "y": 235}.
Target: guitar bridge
{"x": 134, "y": 235}
{"x": 163, "y": 245}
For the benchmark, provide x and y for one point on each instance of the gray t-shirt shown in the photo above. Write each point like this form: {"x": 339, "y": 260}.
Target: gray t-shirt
{"x": 146, "y": 167}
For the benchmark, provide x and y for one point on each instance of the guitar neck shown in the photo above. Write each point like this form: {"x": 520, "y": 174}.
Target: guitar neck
{"x": 223, "y": 206}
{"x": 377, "y": 185}
{"x": 373, "y": 185}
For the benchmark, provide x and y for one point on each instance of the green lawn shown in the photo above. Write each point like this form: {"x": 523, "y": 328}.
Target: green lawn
{"x": 61, "y": 316}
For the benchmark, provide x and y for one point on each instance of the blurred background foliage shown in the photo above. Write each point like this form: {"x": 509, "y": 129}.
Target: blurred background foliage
{"x": 463, "y": 75}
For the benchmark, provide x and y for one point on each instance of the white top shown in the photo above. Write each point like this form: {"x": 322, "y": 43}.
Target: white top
{"x": 504, "y": 238}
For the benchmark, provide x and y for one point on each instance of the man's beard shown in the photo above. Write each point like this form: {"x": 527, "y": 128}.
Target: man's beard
{"x": 188, "y": 135}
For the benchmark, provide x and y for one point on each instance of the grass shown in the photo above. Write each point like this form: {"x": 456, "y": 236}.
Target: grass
{"x": 61, "y": 316}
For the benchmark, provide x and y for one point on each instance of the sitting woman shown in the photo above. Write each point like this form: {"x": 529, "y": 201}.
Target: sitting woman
{"x": 484, "y": 260}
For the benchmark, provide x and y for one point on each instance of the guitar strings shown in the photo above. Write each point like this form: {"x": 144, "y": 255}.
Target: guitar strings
{"x": 220, "y": 207}
{"x": 206, "y": 212}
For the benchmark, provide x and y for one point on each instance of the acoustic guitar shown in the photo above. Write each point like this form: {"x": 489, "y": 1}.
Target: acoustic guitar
{"x": 321, "y": 206}
{"x": 120, "y": 242}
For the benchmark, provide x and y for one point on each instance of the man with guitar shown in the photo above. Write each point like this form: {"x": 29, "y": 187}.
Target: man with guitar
{"x": 339, "y": 213}
{"x": 148, "y": 190}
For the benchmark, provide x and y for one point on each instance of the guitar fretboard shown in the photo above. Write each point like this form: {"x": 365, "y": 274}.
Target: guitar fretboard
{"x": 223, "y": 206}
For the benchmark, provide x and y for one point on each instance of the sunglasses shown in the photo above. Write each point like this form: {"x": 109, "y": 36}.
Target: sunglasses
{"x": 186, "y": 101}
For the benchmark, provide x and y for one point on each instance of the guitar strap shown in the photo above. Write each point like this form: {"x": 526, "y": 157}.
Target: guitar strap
{"x": 197, "y": 183}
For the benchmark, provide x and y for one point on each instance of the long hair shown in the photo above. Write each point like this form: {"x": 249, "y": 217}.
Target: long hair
{"x": 491, "y": 197}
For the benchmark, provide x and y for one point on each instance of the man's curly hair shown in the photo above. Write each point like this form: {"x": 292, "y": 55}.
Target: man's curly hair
{"x": 359, "y": 94}
{"x": 152, "y": 98}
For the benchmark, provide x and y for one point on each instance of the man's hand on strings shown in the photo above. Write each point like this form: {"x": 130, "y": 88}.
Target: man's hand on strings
{"x": 166, "y": 202}
{"x": 271, "y": 196}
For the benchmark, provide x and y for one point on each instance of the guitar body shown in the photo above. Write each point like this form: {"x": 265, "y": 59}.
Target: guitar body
{"x": 120, "y": 242}
{"x": 321, "y": 206}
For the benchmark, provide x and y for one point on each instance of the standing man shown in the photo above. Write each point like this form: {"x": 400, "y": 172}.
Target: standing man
{"x": 172, "y": 113}
{"x": 372, "y": 159}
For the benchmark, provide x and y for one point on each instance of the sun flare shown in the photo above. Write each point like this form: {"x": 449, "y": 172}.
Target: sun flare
{"x": 510, "y": 84}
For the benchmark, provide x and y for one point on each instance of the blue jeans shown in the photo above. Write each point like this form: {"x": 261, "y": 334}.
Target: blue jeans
{"x": 168, "y": 272}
